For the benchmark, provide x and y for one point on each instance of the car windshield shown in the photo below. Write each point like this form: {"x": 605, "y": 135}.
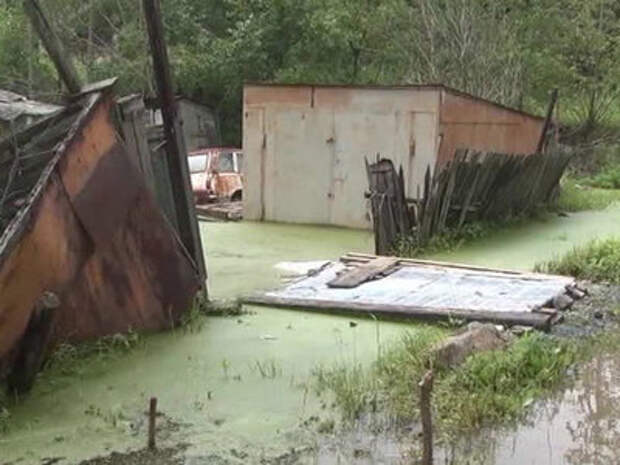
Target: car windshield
{"x": 239, "y": 162}
{"x": 197, "y": 163}
{"x": 225, "y": 163}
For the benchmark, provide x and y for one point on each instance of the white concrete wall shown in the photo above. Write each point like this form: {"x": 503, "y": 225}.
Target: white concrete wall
{"x": 305, "y": 147}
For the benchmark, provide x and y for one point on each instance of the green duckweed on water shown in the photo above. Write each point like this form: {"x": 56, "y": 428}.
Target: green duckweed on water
{"x": 244, "y": 382}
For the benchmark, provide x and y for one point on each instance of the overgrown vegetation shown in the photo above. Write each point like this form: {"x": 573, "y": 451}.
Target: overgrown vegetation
{"x": 450, "y": 239}
{"x": 505, "y": 50}
{"x": 66, "y": 357}
{"x": 387, "y": 383}
{"x": 598, "y": 260}
{"x": 607, "y": 178}
{"x": 498, "y": 385}
{"x": 488, "y": 387}
{"x": 576, "y": 197}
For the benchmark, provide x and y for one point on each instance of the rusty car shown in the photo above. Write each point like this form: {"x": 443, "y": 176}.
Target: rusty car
{"x": 216, "y": 174}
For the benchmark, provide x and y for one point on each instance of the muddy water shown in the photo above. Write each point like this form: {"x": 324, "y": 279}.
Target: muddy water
{"x": 237, "y": 389}
{"x": 580, "y": 425}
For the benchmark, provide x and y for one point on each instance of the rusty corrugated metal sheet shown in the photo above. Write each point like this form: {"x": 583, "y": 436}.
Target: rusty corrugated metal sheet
{"x": 92, "y": 234}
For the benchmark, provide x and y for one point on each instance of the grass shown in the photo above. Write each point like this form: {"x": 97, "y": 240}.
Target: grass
{"x": 387, "y": 384}
{"x": 64, "y": 360}
{"x": 451, "y": 239}
{"x": 488, "y": 387}
{"x": 498, "y": 385}
{"x": 607, "y": 178}
{"x": 268, "y": 369}
{"x": 598, "y": 260}
{"x": 576, "y": 197}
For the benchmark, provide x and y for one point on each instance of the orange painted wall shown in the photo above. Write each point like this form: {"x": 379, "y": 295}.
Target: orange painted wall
{"x": 476, "y": 124}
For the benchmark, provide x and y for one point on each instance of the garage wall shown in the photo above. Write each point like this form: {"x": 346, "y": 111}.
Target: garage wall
{"x": 468, "y": 122}
{"x": 305, "y": 146}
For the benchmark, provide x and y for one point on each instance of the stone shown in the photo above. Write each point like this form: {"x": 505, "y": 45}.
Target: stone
{"x": 477, "y": 338}
{"x": 562, "y": 302}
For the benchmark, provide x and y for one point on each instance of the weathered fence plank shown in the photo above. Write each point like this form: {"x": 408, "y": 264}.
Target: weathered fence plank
{"x": 474, "y": 185}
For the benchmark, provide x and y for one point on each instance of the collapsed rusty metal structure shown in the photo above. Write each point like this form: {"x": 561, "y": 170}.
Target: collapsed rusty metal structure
{"x": 78, "y": 221}
{"x": 92, "y": 241}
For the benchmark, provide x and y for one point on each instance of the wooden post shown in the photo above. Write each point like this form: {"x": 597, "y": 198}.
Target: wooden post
{"x": 543, "y": 136}
{"x": 53, "y": 46}
{"x": 426, "y": 388}
{"x": 175, "y": 142}
{"x": 152, "y": 416}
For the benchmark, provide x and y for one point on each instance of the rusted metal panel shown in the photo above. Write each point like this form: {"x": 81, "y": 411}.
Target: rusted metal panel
{"x": 49, "y": 254}
{"x": 141, "y": 280}
{"x": 112, "y": 187}
{"x": 92, "y": 234}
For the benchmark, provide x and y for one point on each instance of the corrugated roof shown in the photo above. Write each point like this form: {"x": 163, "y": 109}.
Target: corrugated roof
{"x": 429, "y": 86}
{"x": 13, "y": 105}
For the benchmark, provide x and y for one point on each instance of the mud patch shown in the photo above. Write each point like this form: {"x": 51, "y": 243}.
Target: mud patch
{"x": 168, "y": 456}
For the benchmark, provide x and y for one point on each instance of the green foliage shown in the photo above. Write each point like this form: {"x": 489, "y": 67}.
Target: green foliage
{"x": 489, "y": 386}
{"x": 64, "y": 360}
{"x": 387, "y": 384}
{"x": 498, "y": 385}
{"x": 598, "y": 260}
{"x": 575, "y": 197}
{"x": 511, "y": 51}
{"x": 450, "y": 239}
{"x": 607, "y": 178}
{"x": 5, "y": 415}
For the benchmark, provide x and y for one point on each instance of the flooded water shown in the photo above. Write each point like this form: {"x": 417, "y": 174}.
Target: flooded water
{"x": 523, "y": 246}
{"x": 577, "y": 426}
{"x": 237, "y": 390}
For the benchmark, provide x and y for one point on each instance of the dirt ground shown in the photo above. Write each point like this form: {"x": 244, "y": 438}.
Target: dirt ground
{"x": 167, "y": 456}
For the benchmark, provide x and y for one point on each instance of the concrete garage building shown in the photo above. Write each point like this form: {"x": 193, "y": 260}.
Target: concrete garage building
{"x": 305, "y": 145}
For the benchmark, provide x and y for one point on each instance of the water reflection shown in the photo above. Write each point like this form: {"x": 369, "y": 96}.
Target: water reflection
{"x": 578, "y": 426}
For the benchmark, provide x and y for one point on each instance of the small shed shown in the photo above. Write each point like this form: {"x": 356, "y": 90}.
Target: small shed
{"x": 200, "y": 126}
{"x": 305, "y": 144}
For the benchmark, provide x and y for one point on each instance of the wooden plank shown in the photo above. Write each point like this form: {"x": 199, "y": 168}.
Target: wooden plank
{"x": 543, "y": 136}
{"x": 361, "y": 257}
{"x": 364, "y": 272}
{"x": 536, "y": 320}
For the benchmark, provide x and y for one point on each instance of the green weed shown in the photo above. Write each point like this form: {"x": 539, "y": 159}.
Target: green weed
{"x": 268, "y": 369}
{"x": 497, "y": 385}
{"x": 5, "y": 415}
{"x": 598, "y": 260}
{"x": 607, "y": 178}
{"x": 451, "y": 239}
{"x": 576, "y": 197}
{"x": 387, "y": 383}
{"x": 64, "y": 360}
{"x": 489, "y": 386}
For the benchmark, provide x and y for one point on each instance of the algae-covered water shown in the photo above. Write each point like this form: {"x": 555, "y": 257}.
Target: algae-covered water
{"x": 239, "y": 389}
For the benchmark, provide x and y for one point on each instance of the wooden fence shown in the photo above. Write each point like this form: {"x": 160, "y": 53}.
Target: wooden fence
{"x": 474, "y": 185}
